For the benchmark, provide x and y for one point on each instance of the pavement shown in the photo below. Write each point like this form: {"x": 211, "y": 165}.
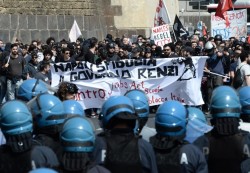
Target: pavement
{"x": 150, "y": 122}
{"x": 96, "y": 123}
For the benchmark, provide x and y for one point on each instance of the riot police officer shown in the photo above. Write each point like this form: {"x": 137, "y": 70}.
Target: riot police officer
{"x": 49, "y": 115}
{"x": 173, "y": 153}
{"x": 73, "y": 108}
{"x": 19, "y": 154}
{"x": 78, "y": 141}
{"x": 140, "y": 101}
{"x": 118, "y": 148}
{"x": 225, "y": 146}
{"x": 31, "y": 88}
{"x": 244, "y": 96}
{"x": 197, "y": 124}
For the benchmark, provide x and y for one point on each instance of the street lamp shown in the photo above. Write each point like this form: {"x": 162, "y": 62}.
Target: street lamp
{"x": 182, "y": 16}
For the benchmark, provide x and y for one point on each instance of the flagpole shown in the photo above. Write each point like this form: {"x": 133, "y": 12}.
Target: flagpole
{"x": 174, "y": 35}
{"x": 217, "y": 74}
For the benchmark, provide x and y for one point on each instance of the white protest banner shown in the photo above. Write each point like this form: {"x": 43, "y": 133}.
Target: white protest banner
{"x": 161, "y": 79}
{"x": 161, "y": 35}
{"x": 235, "y": 24}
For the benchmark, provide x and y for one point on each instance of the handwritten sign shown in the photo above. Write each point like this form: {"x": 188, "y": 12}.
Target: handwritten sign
{"x": 235, "y": 24}
{"x": 161, "y": 35}
{"x": 161, "y": 79}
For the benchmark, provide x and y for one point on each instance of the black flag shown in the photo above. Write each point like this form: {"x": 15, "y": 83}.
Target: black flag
{"x": 179, "y": 30}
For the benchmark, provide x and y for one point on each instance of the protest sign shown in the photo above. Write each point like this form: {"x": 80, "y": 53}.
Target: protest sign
{"x": 235, "y": 24}
{"x": 161, "y": 79}
{"x": 161, "y": 35}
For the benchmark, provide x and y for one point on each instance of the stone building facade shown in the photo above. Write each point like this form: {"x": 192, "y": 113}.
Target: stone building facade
{"x": 40, "y": 19}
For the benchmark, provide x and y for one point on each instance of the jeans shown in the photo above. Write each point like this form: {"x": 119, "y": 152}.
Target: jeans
{"x": 3, "y": 87}
{"x": 12, "y": 89}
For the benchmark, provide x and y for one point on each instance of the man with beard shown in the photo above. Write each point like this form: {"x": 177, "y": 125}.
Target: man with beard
{"x": 245, "y": 67}
{"x": 14, "y": 65}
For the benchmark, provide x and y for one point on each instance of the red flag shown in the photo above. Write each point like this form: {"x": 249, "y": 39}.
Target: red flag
{"x": 223, "y": 6}
{"x": 204, "y": 30}
{"x": 161, "y": 15}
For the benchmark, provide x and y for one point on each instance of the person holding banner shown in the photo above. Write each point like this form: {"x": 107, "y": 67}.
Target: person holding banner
{"x": 67, "y": 91}
{"x": 214, "y": 69}
{"x": 111, "y": 55}
{"x": 168, "y": 51}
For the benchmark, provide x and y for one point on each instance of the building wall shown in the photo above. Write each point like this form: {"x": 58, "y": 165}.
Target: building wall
{"x": 40, "y": 19}
{"x": 138, "y": 16}
{"x": 190, "y": 17}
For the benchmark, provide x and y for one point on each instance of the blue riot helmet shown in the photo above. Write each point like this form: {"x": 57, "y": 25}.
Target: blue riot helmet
{"x": 140, "y": 101}
{"x": 244, "y": 96}
{"x": 225, "y": 109}
{"x": 73, "y": 108}
{"x": 15, "y": 118}
{"x": 77, "y": 135}
{"x": 31, "y": 88}
{"x": 171, "y": 119}
{"x": 197, "y": 124}
{"x": 120, "y": 107}
{"x": 225, "y": 103}
{"x": 47, "y": 110}
{"x": 222, "y": 88}
{"x": 43, "y": 170}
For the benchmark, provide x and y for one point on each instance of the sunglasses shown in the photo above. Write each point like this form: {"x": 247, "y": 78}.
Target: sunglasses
{"x": 67, "y": 53}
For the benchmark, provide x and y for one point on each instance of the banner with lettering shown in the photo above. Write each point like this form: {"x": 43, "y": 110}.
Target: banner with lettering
{"x": 234, "y": 25}
{"x": 161, "y": 35}
{"x": 161, "y": 79}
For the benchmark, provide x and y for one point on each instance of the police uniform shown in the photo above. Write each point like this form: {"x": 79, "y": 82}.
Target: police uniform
{"x": 118, "y": 148}
{"x": 224, "y": 153}
{"x": 225, "y": 146}
{"x": 78, "y": 140}
{"x": 172, "y": 152}
{"x": 49, "y": 141}
{"x": 177, "y": 156}
{"x": 19, "y": 154}
{"x": 142, "y": 157}
{"x": 24, "y": 161}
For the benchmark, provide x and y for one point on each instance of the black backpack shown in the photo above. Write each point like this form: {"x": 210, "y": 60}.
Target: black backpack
{"x": 238, "y": 79}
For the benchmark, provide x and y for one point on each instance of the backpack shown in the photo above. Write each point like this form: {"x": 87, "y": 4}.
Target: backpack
{"x": 238, "y": 79}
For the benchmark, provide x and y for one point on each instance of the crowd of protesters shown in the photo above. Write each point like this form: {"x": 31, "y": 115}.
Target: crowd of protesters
{"x": 33, "y": 60}
{"x": 50, "y": 130}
